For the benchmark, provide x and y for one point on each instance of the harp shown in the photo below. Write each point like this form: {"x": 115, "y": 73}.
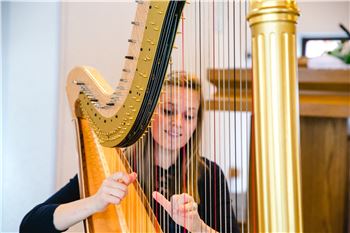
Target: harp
{"x": 108, "y": 119}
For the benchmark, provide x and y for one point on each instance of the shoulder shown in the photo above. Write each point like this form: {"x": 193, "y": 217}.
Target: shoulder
{"x": 209, "y": 163}
{"x": 211, "y": 166}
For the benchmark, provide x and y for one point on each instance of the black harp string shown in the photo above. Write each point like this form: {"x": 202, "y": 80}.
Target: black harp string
{"x": 201, "y": 86}
{"x": 229, "y": 103}
{"x": 177, "y": 143}
{"x": 151, "y": 167}
{"x": 200, "y": 94}
{"x": 206, "y": 126}
{"x": 218, "y": 112}
{"x": 224, "y": 98}
{"x": 185, "y": 148}
{"x": 240, "y": 96}
{"x": 235, "y": 104}
{"x": 247, "y": 116}
{"x": 140, "y": 171}
{"x": 224, "y": 217}
{"x": 212, "y": 60}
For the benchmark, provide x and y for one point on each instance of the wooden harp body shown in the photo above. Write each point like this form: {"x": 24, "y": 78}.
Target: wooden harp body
{"x": 107, "y": 118}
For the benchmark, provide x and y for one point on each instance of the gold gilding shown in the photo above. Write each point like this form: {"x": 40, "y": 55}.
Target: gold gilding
{"x": 108, "y": 129}
{"x": 276, "y": 116}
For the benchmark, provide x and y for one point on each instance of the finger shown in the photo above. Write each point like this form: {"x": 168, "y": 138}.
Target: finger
{"x": 116, "y": 185}
{"x": 114, "y": 192}
{"x": 118, "y": 176}
{"x": 192, "y": 206}
{"x": 125, "y": 178}
{"x": 184, "y": 198}
{"x": 162, "y": 201}
{"x": 132, "y": 177}
{"x": 188, "y": 215}
{"x": 112, "y": 199}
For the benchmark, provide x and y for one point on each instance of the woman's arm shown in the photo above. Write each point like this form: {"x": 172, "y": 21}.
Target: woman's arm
{"x": 112, "y": 191}
{"x": 64, "y": 208}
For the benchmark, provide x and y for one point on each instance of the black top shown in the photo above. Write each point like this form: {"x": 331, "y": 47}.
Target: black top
{"x": 214, "y": 209}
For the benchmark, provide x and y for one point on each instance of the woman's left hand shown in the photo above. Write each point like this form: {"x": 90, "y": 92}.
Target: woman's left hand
{"x": 183, "y": 210}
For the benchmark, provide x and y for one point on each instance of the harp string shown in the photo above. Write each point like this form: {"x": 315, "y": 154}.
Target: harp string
{"x": 219, "y": 55}
{"x": 247, "y": 116}
{"x": 214, "y": 127}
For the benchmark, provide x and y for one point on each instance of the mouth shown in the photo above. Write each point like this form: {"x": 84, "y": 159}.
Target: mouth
{"x": 173, "y": 133}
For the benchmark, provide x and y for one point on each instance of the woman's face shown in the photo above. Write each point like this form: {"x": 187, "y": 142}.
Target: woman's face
{"x": 176, "y": 117}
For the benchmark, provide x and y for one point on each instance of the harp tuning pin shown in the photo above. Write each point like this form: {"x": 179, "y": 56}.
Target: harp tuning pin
{"x": 131, "y": 41}
{"x": 139, "y": 1}
{"x": 78, "y": 83}
{"x": 135, "y": 23}
{"x": 178, "y": 32}
{"x": 174, "y": 47}
{"x": 126, "y": 70}
{"x": 129, "y": 57}
{"x": 120, "y": 88}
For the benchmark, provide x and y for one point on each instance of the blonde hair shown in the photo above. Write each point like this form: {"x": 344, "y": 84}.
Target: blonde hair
{"x": 194, "y": 164}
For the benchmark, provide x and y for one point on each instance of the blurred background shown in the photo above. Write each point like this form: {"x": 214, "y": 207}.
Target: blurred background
{"x": 41, "y": 42}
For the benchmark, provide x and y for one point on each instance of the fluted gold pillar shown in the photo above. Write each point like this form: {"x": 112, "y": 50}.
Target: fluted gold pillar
{"x": 276, "y": 116}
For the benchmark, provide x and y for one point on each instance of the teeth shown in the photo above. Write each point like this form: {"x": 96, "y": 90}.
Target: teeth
{"x": 173, "y": 134}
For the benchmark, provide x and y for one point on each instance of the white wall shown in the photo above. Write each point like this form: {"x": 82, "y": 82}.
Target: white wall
{"x": 30, "y": 67}
{"x": 92, "y": 34}
{"x": 322, "y": 18}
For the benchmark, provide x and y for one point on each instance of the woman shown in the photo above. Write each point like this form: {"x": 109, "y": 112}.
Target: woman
{"x": 186, "y": 190}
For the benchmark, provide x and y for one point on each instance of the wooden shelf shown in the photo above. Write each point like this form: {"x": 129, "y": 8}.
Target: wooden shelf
{"x": 322, "y": 93}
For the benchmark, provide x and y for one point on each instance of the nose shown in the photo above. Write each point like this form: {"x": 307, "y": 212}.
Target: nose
{"x": 176, "y": 120}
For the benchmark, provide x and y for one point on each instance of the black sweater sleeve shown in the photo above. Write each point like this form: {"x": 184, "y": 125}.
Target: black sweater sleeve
{"x": 40, "y": 218}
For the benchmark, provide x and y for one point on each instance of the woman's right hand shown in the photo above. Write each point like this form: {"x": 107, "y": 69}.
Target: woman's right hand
{"x": 113, "y": 189}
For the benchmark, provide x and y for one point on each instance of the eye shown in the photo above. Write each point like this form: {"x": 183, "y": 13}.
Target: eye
{"x": 168, "y": 112}
{"x": 189, "y": 117}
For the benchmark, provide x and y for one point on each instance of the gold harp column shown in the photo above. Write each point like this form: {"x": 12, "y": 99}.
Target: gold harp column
{"x": 276, "y": 116}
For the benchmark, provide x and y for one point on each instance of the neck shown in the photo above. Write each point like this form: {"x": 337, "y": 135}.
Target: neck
{"x": 164, "y": 158}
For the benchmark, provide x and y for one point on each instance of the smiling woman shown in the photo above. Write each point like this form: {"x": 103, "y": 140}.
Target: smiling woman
{"x": 171, "y": 168}
{"x": 178, "y": 115}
